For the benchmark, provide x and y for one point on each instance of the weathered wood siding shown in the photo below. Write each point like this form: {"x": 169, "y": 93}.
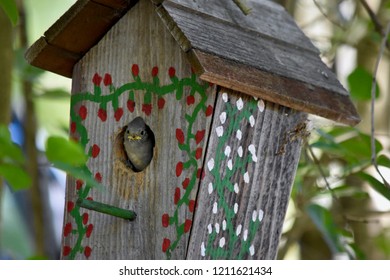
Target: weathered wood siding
{"x": 249, "y": 169}
{"x": 144, "y": 60}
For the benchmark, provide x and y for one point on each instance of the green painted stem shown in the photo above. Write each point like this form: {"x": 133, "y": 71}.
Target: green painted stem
{"x": 107, "y": 209}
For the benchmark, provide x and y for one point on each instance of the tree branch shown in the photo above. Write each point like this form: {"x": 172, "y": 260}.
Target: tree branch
{"x": 245, "y": 9}
{"x": 373, "y": 94}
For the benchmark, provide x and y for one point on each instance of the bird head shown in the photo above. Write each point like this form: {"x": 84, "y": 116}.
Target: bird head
{"x": 136, "y": 130}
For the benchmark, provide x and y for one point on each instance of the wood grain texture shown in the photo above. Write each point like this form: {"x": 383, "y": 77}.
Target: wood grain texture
{"x": 280, "y": 90}
{"x": 274, "y": 55}
{"x": 138, "y": 38}
{"x": 249, "y": 170}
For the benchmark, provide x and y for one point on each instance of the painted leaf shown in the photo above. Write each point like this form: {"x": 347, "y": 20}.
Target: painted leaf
{"x": 360, "y": 83}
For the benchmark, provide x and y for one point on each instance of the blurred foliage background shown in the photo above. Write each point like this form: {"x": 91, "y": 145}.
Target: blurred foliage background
{"x": 339, "y": 207}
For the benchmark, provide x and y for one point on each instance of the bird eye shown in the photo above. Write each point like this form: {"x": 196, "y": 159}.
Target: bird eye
{"x": 142, "y": 132}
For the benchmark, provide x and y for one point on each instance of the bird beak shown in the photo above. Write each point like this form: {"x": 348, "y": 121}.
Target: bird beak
{"x": 134, "y": 137}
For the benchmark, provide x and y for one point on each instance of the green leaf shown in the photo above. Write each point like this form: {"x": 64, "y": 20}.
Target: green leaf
{"x": 323, "y": 220}
{"x": 383, "y": 161}
{"x": 56, "y": 93}
{"x": 349, "y": 191}
{"x": 359, "y": 147}
{"x": 360, "y": 83}
{"x": 11, "y": 10}
{"x": 15, "y": 176}
{"x": 9, "y": 151}
{"x": 79, "y": 173}
{"x": 375, "y": 184}
{"x": 61, "y": 150}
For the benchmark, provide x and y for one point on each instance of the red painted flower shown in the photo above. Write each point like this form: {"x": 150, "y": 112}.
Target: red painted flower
{"x": 198, "y": 153}
{"x": 199, "y": 136}
{"x": 66, "y": 250}
{"x": 186, "y": 182}
{"x": 87, "y": 251}
{"x": 98, "y": 177}
{"x": 70, "y": 206}
{"x": 135, "y": 69}
{"x": 165, "y": 220}
{"x": 89, "y": 198}
{"x": 161, "y": 103}
{"x": 79, "y": 184}
{"x": 176, "y": 197}
{"x": 102, "y": 114}
{"x": 89, "y": 230}
{"x": 83, "y": 112}
{"x": 171, "y": 72}
{"x": 107, "y": 79}
{"x": 130, "y": 105}
{"x": 187, "y": 225}
{"x": 67, "y": 229}
{"x": 154, "y": 71}
{"x": 95, "y": 151}
{"x": 209, "y": 111}
{"x": 190, "y": 100}
{"x": 191, "y": 206}
{"x": 200, "y": 173}
{"x": 96, "y": 79}
{"x": 85, "y": 218}
{"x": 179, "y": 135}
{"x": 118, "y": 114}
{"x": 179, "y": 168}
{"x": 165, "y": 245}
{"x": 73, "y": 127}
{"x": 147, "y": 109}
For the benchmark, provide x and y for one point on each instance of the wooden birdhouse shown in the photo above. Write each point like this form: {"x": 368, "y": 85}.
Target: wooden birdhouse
{"x": 226, "y": 96}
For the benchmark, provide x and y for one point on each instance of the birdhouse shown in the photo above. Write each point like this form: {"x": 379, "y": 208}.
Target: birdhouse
{"x": 226, "y": 97}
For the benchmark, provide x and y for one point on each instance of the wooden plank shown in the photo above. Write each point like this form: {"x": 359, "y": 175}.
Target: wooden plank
{"x": 284, "y": 91}
{"x": 229, "y": 41}
{"x": 123, "y": 5}
{"x": 249, "y": 170}
{"x": 161, "y": 191}
{"x": 266, "y": 17}
{"x": 54, "y": 59}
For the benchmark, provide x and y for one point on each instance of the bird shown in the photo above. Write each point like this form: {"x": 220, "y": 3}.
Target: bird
{"x": 139, "y": 142}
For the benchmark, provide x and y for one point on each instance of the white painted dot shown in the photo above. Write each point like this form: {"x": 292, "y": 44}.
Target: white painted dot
{"x": 222, "y": 242}
{"x": 254, "y": 216}
{"x": 236, "y": 189}
{"x": 238, "y": 230}
{"x": 239, "y": 134}
{"x": 230, "y": 164}
{"x": 251, "y": 250}
{"x": 240, "y": 104}
{"x": 225, "y": 97}
{"x": 210, "y": 228}
{"x": 219, "y": 131}
{"x": 222, "y": 117}
{"x": 252, "y": 121}
{"x": 252, "y": 150}
{"x": 246, "y": 177}
{"x": 211, "y": 188}
{"x": 235, "y": 208}
{"x": 261, "y": 105}
{"x": 215, "y": 208}
{"x": 245, "y": 236}
{"x": 210, "y": 164}
{"x": 202, "y": 250}
{"x": 224, "y": 225}
{"x": 261, "y": 215}
{"x": 217, "y": 228}
{"x": 240, "y": 151}
{"x": 227, "y": 151}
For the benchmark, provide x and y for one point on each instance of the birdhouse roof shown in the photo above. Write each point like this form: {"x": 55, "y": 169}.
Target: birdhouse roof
{"x": 263, "y": 54}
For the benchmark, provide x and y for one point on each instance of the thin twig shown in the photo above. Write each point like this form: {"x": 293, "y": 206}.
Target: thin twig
{"x": 326, "y": 16}
{"x": 373, "y": 94}
{"x": 377, "y": 24}
{"x": 246, "y": 10}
